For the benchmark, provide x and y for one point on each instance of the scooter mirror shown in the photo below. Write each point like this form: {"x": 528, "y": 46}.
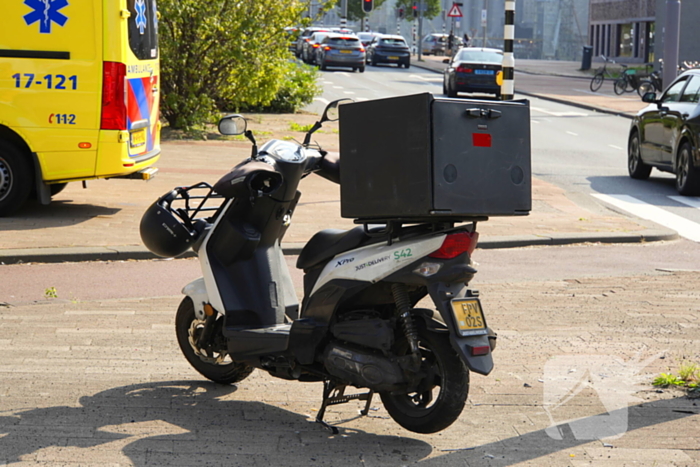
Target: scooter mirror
{"x": 232, "y": 125}
{"x": 331, "y": 113}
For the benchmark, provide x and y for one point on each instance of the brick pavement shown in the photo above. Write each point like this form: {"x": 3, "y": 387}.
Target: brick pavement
{"x": 103, "y": 383}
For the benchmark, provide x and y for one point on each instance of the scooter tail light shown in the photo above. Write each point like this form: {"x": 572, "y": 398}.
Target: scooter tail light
{"x": 456, "y": 244}
{"x": 480, "y": 350}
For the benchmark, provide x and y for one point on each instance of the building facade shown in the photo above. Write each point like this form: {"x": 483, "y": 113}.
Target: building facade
{"x": 624, "y": 29}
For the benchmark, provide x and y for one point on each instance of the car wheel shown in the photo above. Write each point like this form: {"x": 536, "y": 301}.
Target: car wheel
{"x": 444, "y": 87}
{"x": 374, "y": 61}
{"x": 322, "y": 66}
{"x": 16, "y": 177}
{"x": 636, "y": 168}
{"x": 451, "y": 92}
{"x": 362, "y": 69}
{"x": 687, "y": 176}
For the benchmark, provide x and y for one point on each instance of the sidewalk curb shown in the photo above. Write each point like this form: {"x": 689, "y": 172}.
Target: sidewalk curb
{"x": 132, "y": 253}
{"x": 590, "y": 108}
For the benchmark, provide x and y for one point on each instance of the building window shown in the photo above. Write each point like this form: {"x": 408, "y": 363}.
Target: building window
{"x": 626, "y": 40}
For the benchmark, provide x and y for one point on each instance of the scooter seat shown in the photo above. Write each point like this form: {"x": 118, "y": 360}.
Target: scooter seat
{"x": 328, "y": 243}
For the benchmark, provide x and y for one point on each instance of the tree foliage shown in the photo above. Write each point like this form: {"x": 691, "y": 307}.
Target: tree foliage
{"x": 432, "y": 8}
{"x": 222, "y": 53}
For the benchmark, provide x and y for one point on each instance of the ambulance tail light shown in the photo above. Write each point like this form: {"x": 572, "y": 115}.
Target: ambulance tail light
{"x": 113, "y": 96}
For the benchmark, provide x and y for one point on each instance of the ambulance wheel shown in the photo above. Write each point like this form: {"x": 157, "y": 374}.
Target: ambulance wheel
{"x": 15, "y": 178}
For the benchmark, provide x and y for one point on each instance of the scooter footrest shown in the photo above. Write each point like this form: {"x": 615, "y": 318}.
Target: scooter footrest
{"x": 251, "y": 342}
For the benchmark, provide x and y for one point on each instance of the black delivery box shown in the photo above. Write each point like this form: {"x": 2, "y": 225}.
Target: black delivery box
{"x": 421, "y": 158}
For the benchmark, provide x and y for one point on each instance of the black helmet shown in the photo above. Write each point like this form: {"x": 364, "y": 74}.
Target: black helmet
{"x": 163, "y": 232}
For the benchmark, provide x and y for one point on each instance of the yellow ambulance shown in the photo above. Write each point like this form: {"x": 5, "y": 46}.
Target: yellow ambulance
{"x": 79, "y": 94}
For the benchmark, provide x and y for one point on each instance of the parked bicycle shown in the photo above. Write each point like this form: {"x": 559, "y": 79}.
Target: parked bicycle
{"x": 601, "y": 73}
{"x": 627, "y": 82}
{"x": 652, "y": 84}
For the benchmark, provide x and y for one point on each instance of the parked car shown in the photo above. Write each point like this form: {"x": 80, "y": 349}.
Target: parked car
{"x": 388, "y": 48}
{"x": 436, "y": 44}
{"x": 292, "y": 36}
{"x": 473, "y": 69}
{"x": 666, "y": 134}
{"x": 304, "y": 37}
{"x": 341, "y": 50}
{"x": 366, "y": 37}
{"x": 308, "y": 50}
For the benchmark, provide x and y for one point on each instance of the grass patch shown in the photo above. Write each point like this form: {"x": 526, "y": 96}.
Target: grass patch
{"x": 301, "y": 128}
{"x": 687, "y": 378}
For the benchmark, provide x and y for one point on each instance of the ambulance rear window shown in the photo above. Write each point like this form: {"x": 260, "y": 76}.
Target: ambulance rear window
{"x": 143, "y": 28}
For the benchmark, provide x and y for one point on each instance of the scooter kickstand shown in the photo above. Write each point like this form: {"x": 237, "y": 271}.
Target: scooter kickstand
{"x": 339, "y": 398}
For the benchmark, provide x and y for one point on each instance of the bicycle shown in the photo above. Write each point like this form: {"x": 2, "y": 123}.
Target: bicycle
{"x": 627, "y": 82}
{"x": 599, "y": 76}
{"x": 653, "y": 84}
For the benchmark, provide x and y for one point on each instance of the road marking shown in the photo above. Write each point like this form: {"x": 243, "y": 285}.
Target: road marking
{"x": 349, "y": 92}
{"x": 571, "y": 133}
{"x": 337, "y": 87}
{"x": 322, "y": 100}
{"x": 362, "y": 99}
{"x": 560, "y": 114}
{"x": 684, "y": 227}
{"x": 616, "y": 147}
{"x": 690, "y": 201}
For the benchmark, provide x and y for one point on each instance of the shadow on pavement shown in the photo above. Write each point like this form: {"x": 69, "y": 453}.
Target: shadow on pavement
{"x": 186, "y": 423}
{"x": 60, "y": 212}
{"x": 194, "y": 423}
{"x": 661, "y": 185}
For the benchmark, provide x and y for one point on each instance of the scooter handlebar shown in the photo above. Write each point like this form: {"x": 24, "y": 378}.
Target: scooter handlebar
{"x": 329, "y": 167}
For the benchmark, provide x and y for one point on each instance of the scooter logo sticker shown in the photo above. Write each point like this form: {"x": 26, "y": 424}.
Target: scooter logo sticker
{"x": 46, "y": 12}
{"x": 140, "y": 8}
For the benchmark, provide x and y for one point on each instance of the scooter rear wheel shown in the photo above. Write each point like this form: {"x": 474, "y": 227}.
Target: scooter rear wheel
{"x": 441, "y": 398}
{"x": 213, "y": 363}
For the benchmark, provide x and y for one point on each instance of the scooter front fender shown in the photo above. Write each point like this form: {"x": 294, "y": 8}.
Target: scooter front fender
{"x": 197, "y": 291}
{"x": 442, "y": 295}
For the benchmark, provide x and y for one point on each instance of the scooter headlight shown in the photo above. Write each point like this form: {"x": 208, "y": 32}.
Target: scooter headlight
{"x": 428, "y": 269}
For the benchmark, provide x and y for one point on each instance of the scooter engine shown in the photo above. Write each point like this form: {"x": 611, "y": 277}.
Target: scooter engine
{"x": 363, "y": 368}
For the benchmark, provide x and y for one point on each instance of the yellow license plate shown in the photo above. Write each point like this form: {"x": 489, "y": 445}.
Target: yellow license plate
{"x": 138, "y": 138}
{"x": 393, "y": 58}
{"x": 469, "y": 316}
{"x": 346, "y": 51}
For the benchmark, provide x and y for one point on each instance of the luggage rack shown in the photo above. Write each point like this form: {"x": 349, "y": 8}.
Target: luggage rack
{"x": 190, "y": 203}
{"x": 395, "y": 227}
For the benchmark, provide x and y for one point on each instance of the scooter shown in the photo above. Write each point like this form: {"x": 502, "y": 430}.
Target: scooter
{"x": 358, "y": 324}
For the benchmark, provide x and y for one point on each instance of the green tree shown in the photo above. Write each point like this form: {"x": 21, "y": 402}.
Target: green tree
{"x": 432, "y": 8}
{"x": 221, "y": 55}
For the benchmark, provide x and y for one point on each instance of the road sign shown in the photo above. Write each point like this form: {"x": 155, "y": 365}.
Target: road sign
{"x": 455, "y": 12}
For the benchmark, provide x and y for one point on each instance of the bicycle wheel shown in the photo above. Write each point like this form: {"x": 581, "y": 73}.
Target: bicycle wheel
{"x": 597, "y": 81}
{"x": 620, "y": 85}
{"x": 645, "y": 87}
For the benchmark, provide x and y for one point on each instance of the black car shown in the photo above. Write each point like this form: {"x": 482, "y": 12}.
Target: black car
{"x": 473, "y": 69}
{"x": 304, "y": 38}
{"x": 664, "y": 134}
{"x": 341, "y": 50}
{"x": 389, "y": 49}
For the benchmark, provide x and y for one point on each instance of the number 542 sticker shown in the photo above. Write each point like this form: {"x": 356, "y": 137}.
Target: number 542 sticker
{"x": 62, "y": 119}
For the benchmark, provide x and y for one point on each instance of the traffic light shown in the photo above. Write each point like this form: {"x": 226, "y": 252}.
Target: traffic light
{"x": 415, "y": 10}
{"x": 367, "y": 5}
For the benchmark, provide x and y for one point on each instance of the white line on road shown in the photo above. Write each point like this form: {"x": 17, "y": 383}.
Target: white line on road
{"x": 684, "y": 227}
{"x": 616, "y": 147}
{"x": 337, "y": 87}
{"x": 348, "y": 92}
{"x": 693, "y": 202}
{"x": 560, "y": 114}
{"x": 571, "y": 133}
{"x": 322, "y": 100}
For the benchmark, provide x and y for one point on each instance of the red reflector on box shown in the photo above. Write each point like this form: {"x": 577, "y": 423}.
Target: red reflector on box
{"x": 481, "y": 140}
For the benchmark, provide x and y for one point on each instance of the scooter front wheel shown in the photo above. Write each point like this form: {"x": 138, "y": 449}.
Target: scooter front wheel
{"x": 440, "y": 397}
{"x": 213, "y": 361}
